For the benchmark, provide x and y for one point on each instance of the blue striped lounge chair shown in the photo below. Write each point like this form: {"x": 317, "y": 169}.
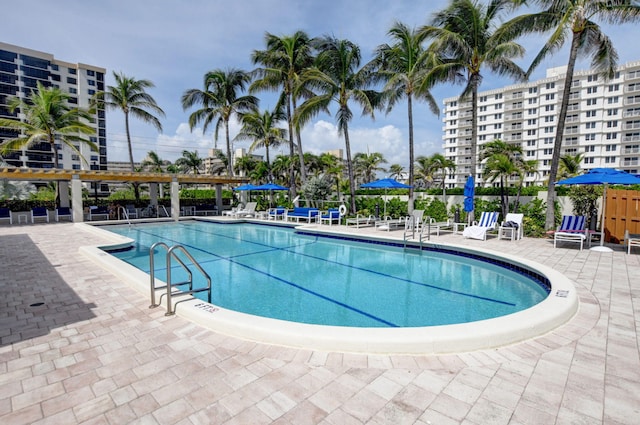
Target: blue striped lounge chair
{"x": 486, "y": 223}
{"x": 572, "y": 229}
{"x": 39, "y": 213}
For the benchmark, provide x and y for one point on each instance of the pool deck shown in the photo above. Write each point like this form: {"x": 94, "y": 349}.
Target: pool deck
{"x": 94, "y": 353}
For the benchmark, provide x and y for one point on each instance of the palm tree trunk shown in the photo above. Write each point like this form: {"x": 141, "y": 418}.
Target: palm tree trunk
{"x": 550, "y": 218}
{"x": 352, "y": 183}
{"x": 230, "y": 162}
{"x": 136, "y": 187}
{"x": 303, "y": 170}
{"x": 475, "y": 82}
{"x": 411, "y": 159}
{"x": 292, "y": 176}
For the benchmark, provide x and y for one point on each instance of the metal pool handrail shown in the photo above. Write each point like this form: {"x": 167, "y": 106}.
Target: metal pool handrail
{"x": 172, "y": 254}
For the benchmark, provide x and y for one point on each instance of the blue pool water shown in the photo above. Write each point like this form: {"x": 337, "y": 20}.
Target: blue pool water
{"x": 276, "y": 272}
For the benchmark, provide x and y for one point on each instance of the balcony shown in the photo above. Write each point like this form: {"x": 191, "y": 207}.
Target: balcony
{"x": 513, "y": 138}
{"x": 632, "y": 100}
{"x": 632, "y": 125}
{"x": 514, "y": 96}
{"x": 631, "y": 138}
{"x": 632, "y": 88}
{"x": 512, "y": 107}
{"x": 514, "y": 127}
{"x": 513, "y": 117}
{"x": 631, "y": 113}
{"x": 631, "y": 150}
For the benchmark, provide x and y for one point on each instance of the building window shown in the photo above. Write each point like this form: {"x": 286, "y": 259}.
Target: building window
{"x": 593, "y": 77}
{"x": 611, "y": 148}
{"x": 609, "y": 159}
{"x": 588, "y": 160}
{"x": 483, "y": 108}
{"x": 497, "y": 116}
{"x": 483, "y": 98}
{"x": 612, "y": 124}
{"x": 531, "y": 132}
{"x": 591, "y": 90}
{"x": 590, "y": 137}
{"x": 532, "y": 111}
{"x": 590, "y": 114}
{"x": 533, "y": 100}
{"x": 498, "y": 106}
{"x": 498, "y": 96}
{"x": 497, "y": 126}
{"x": 453, "y": 104}
{"x": 533, "y": 90}
{"x": 592, "y": 102}
{"x": 548, "y": 140}
{"x": 73, "y": 90}
{"x": 548, "y": 130}
{"x": 550, "y": 96}
{"x": 612, "y": 100}
{"x": 590, "y": 125}
{"x": 549, "y": 118}
{"x": 532, "y": 121}
{"x": 91, "y": 73}
{"x": 612, "y": 136}
{"x": 72, "y": 71}
{"x": 611, "y": 112}
{"x": 547, "y": 151}
{"x": 549, "y": 108}
{"x": 91, "y": 92}
{"x": 550, "y": 86}
{"x": 482, "y": 128}
{"x": 614, "y": 87}
{"x": 71, "y": 80}
{"x": 91, "y": 82}
{"x": 589, "y": 148}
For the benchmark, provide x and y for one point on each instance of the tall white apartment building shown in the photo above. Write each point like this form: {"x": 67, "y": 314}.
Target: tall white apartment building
{"x": 20, "y": 70}
{"x": 603, "y": 122}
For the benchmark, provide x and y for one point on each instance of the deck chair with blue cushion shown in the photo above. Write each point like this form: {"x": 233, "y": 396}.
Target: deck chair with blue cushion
{"x": 487, "y": 223}
{"x": 63, "y": 212}
{"x": 131, "y": 210}
{"x": 572, "y": 229}
{"x": 39, "y": 213}
{"x": 332, "y": 215}
{"x": 6, "y": 215}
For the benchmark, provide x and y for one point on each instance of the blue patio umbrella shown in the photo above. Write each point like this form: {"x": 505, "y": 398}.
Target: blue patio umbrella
{"x": 603, "y": 176}
{"x": 247, "y": 186}
{"x": 385, "y": 184}
{"x": 270, "y": 187}
{"x": 469, "y": 192}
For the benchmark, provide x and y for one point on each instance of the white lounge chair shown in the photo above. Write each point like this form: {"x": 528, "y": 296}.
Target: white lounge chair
{"x": 360, "y": 220}
{"x": 391, "y": 223}
{"x": 511, "y": 227}
{"x": 572, "y": 229}
{"x": 248, "y": 211}
{"x": 487, "y": 223}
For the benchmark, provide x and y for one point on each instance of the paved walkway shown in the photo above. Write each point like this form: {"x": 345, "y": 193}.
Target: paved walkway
{"x": 78, "y": 346}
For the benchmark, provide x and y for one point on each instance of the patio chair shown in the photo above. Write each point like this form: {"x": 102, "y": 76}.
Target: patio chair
{"x": 248, "y": 211}
{"x": 572, "y": 229}
{"x": 131, "y": 210}
{"x": 97, "y": 212}
{"x": 38, "y": 213}
{"x": 62, "y": 212}
{"x": 487, "y": 223}
{"x": 278, "y": 213}
{"x": 631, "y": 240}
{"x": 511, "y": 227}
{"x": 332, "y": 214}
{"x": 6, "y": 215}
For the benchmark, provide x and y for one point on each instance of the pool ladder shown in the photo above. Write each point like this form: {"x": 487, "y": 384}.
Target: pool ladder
{"x": 414, "y": 227}
{"x": 172, "y": 254}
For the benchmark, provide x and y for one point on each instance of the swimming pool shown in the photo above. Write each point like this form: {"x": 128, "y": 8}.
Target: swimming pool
{"x": 290, "y": 275}
{"x": 555, "y": 310}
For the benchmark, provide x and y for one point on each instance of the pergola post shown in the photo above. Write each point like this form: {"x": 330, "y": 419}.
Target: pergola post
{"x": 63, "y": 191}
{"x": 219, "y": 198}
{"x": 175, "y": 199}
{"x": 76, "y": 199}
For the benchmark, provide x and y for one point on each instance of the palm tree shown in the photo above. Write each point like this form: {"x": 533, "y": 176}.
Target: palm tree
{"x": 524, "y": 167}
{"x": 332, "y": 166}
{"x": 337, "y": 78}
{"x": 468, "y": 38}
{"x": 190, "y": 162}
{"x": 261, "y": 128}
{"x": 283, "y": 61}
{"x": 578, "y": 19}
{"x": 367, "y": 164}
{"x": 502, "y": 161}
{"x": 570, "y": 165}
{"x": 219, "y": 101}
{"x": 441, "y": 165}
{"x": 405, "y": 67}
{"x": 48, "y": 118}
{"x": 395, "y": 171}
{"x": 245, "y": 165}
{"x": 129, "y": 96}
{"x": 280, "y": 169}
{"x": 153, "y": 162}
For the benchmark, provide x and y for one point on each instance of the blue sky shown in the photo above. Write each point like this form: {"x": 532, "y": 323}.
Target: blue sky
{"x": 174, "y": 43}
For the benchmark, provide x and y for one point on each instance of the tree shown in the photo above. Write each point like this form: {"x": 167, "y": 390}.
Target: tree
{"x": 338, "y": 78}
{"x": 405, "y": 67}
{"x": 570, "y": 166}
{"x": 190, "y": 162}
{"x": 130, "y": 97}
{"x": 219, "y": 101}
{"x": 502, "y": 161}
{"x": 47, "y": 118}
{"x": 154, "y": 163}
{"x": 262, "y": 129}
{"x": 395, "y": 171}
{"x": 367, "y": 164}
{"x": 575, "y": 18}
{"x": 467, "y": 37}
{"x": 280, "y": 168}
{"x": 441, "y": 166}
{"x": 283, "y": 61}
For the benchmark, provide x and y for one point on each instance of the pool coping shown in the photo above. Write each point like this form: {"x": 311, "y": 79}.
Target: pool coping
{"x": 557, "y": 309}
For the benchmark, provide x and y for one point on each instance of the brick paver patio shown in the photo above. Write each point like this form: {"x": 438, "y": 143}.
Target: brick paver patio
{"x": 79, "y": 346}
